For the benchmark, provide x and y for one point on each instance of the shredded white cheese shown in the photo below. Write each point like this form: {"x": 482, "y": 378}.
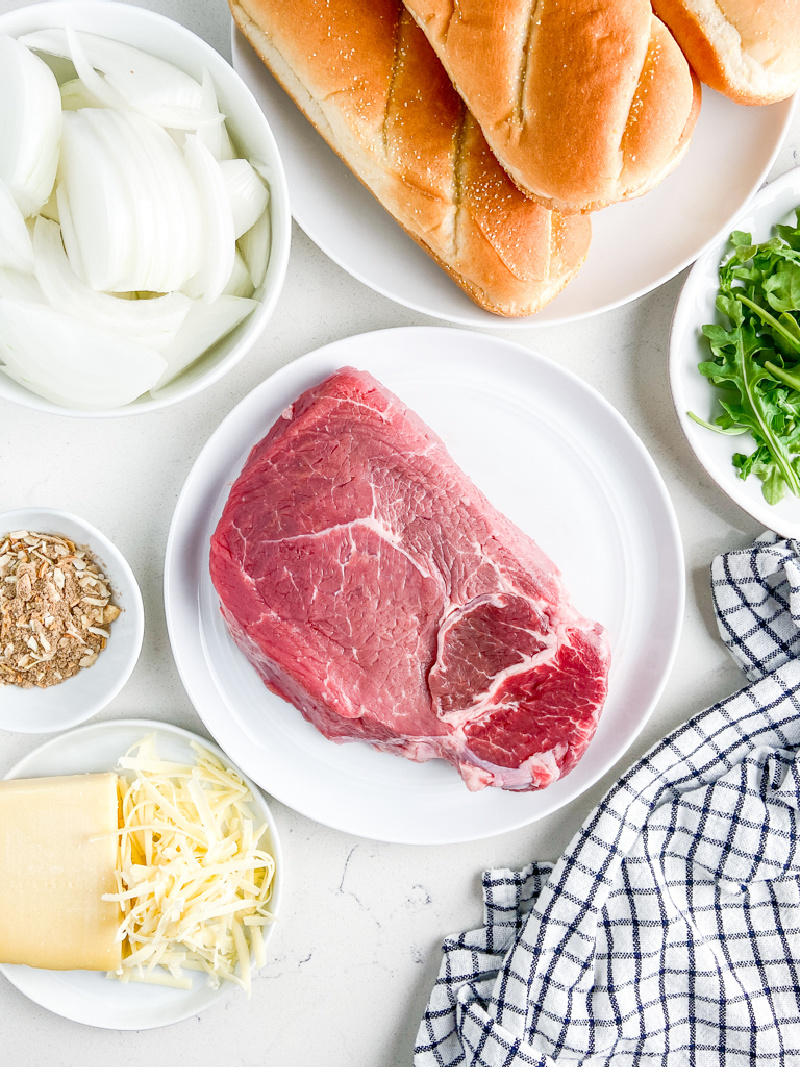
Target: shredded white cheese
{"x": 194, "y": 879}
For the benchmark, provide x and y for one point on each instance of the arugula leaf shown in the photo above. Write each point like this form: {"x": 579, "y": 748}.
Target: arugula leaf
{"x": 755, "y": 356}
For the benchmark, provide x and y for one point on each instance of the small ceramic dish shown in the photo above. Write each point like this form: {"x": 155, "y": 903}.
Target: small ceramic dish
{"x": 68, "y": 703}
{"x": 162, "y": 37}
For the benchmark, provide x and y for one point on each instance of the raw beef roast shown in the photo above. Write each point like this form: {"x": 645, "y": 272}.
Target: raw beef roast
{"x": 371, "y": 584}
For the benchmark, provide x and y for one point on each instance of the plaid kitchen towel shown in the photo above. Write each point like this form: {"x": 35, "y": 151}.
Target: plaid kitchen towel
{"x": 669, "y": 932}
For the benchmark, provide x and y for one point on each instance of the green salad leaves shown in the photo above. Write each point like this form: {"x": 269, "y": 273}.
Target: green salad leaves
{"x": 756, "y": 360}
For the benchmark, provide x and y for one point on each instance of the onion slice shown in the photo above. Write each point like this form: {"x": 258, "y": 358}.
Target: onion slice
{"x": 50, "y": 209}
{"x": 30, "y": 125}
{"x": 255, "y": 247}
{"x": 136, "y": 216}
{"x": 92, "y": 82}
{"x": 64, "y": 212}
{"x": 247, "y": 193}
{"x": 75, "y": 95}
{"x": 15, "y": 242}
{"x": 239, "y": 283}
{"x": 214, "y": 136}
{"x": 264, "y": 169}
{"x": 14, "y": 285}
{"x": 203, "y": 327}
{"x": 153, "y": 322}
{"x": 132, "y": 78}
{"x": 211, "y": 279}
{"x": 100, "y": 234}
{"x": 72, "y": 364}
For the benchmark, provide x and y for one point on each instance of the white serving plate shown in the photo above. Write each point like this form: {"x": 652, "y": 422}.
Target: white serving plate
{"x": 775, "y": 203}
{"x": 89, "y": 996}
{"x": 636, "y": 245}
{"x": 550, "y": 453}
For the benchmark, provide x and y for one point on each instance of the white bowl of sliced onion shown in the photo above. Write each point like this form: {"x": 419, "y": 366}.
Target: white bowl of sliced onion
{"x": 144, "y": 215}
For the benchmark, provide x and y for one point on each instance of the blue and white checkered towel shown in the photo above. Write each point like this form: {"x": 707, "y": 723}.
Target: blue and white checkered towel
{"x": 669, "y": 932}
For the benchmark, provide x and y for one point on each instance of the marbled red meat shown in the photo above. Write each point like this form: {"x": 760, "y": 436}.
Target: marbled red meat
{"x": 373, "y": 586}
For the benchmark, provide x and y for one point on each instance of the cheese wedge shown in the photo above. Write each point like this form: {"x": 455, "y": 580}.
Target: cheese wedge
{"x": 58, "y": 856}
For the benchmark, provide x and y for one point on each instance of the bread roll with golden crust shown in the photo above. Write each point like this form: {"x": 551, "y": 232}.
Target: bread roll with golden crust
{"x": 363, "y": 73}
{"x": 584, "y": 102}
{"x": 747, "y": 49}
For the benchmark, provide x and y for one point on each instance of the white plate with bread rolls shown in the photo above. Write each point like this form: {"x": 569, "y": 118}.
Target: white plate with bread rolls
{"x": 636, "y": 244}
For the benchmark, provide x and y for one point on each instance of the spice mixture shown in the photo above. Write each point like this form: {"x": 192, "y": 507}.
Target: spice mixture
{"x": 55, "y": 609}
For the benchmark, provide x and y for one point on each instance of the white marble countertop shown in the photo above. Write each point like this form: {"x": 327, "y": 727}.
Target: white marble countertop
{"x": 358, "y": 945}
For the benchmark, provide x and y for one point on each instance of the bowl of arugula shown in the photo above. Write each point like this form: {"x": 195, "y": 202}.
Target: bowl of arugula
{"x": 735, "y": 358}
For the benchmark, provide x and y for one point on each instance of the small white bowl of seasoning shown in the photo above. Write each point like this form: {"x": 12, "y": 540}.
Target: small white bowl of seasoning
{"x": 71, "y": 620}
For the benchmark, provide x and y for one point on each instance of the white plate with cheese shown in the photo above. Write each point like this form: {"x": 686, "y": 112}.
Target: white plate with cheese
{"x": 90, "y": 997}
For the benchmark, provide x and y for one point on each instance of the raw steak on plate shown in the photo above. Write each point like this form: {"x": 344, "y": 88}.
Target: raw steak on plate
{"x": 373, "y": 586}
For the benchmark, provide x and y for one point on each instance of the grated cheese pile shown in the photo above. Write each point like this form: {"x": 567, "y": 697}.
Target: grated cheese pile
{"x": 193, "y": 883}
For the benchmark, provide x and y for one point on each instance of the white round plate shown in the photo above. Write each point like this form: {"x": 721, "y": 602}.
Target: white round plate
{"x": 775, "y": 203}
{"x": 636, "y": 246}
{"x": 90, "y": 997}
{"x": 550, "y": 453}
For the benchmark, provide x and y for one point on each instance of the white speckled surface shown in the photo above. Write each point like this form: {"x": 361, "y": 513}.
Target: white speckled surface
{"x": 358, "y": 944}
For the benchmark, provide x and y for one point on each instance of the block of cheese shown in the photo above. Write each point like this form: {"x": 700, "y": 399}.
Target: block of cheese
{"x": 58, "y": 856}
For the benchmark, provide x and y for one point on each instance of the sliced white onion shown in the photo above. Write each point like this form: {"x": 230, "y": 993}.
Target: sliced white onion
{"x": 247, "y": 193}
{"x": 14, "y": 285}
{"x": 15, "y": 242}
{"x": 153, "y": 322}
{"x": 30, "y": 125}
{"x": 100, "y": 235}
{"x": 264, "y": 169}
{"x": 75, "y": 95}
{"x": 149, "y": 210}
{"x": 136, "y": 215}
{"x": 203, "y": 327}
{"x": 50, "y": 209}
{"x": 68, "y": 231}
{"x": 214, "y": 136}
{"x": 148, "y": 199}
{"x": 107, "y": 94}
{"x": 239, "y": 283}
{"x": 174, "y": 204}
{"x": 255, "y": 246}
{"x": 72, "y": 364}
{"x": 97, "y": 86}
{"x": 138, "y": 80}
{"x": 181, "y": 118}
{"x": 218, "y": 254}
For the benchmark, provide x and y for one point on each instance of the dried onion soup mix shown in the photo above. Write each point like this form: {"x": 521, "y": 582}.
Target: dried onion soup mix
{"x": 55, "y": 609}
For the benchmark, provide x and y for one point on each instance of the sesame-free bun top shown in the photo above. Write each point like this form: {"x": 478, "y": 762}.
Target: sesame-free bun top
{"x": 747, "y": 49}
{"x": 584, "y": 103}
{"x": 367, "y": 79}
